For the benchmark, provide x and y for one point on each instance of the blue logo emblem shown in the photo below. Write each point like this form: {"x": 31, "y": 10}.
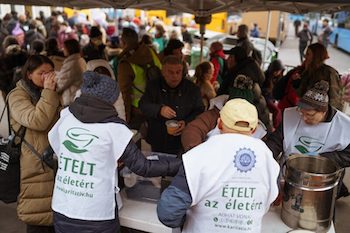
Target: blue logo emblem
{"x": 245, "y": 160}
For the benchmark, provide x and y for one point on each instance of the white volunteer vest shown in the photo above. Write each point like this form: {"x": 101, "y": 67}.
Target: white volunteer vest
{"x": 86, "y": 182}
{"x": 302, "y": 138}
{"x": 232, "y": 179}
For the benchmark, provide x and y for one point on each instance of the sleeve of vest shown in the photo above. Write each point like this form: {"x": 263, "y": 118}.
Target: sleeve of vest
{"x": 175, "y": 201}
{"x": 137, "y": 163}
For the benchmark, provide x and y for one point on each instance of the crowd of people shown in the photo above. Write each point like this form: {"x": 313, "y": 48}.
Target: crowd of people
{"x": 80, "y": 88}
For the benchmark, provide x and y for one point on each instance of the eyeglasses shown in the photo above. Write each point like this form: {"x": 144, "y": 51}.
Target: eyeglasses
{"x": 303, "y": 113}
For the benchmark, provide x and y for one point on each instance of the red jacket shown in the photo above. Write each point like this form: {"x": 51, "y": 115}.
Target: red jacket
{"x": 216, "y": 64}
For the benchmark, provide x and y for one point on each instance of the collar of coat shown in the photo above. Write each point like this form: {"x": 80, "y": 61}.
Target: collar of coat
{"x": 33, "y": 91}
{"x": 89, "y": 109}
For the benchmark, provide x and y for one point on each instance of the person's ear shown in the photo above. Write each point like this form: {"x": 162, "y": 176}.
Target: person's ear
{"x": 219, "y": 123}
{"x": 254, "y": 130}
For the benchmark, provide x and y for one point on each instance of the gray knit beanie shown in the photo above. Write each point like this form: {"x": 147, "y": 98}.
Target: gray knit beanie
{"x": 100, "y": 86}
{"x": 316, "y": 98}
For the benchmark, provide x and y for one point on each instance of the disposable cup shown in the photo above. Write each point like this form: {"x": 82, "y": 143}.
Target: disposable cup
{"x": 171, "y": 126}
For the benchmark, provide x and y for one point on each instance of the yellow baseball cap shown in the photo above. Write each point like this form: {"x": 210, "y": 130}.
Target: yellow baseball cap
{"x": 239, "y": 110}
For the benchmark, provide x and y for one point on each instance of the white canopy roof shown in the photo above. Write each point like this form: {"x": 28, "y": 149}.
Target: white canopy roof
{"x": 199, "y": 7}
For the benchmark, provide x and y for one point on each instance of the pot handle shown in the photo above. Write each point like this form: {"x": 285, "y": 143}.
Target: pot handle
{"x": 339, "y": 173}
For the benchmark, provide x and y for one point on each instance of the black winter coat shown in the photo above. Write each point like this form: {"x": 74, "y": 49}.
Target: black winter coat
{"x": 185, "y": 99}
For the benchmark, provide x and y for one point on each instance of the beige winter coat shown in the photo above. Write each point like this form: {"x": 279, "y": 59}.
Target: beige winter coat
{"x": 70, "y": 77}
{"x": 37, "y": 113}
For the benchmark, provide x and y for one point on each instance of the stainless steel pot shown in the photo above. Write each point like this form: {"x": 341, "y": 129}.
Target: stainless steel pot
{"x": 309, "y": 192}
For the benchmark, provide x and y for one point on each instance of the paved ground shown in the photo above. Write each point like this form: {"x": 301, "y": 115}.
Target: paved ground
{"x": 289, "y": 54}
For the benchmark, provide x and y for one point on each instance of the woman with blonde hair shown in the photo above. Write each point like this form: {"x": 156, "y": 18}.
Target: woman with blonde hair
{"x": 203, "y": 74}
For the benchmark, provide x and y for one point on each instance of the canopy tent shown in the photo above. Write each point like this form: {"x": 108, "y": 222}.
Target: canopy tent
{"x": 199, "y": 7}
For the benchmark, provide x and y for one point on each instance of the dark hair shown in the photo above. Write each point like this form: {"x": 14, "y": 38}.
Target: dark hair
{"x": 103, "y": 70}
{"x": 172, "y": 59}
{"x": 51, "y": 46}
{"x": 243, "y": 28}
{"x": 319, "y": 55}
{"x": 129, "y": 36}
{"x": 173, "y": 44}
{"x": 9, "y": 40}
{"x": 275, "y": 65}
{"x": 72, "y": 46}
{"x": 202, "y": 69}
{"x": 33, "y": 62}
{"x": 146, "y": 39}
{"x": 37, "y": 46}
{"x": 95, "y": 32}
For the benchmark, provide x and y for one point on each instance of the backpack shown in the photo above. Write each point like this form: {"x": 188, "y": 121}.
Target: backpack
{"x": 10, "y": 152}
{"x": 152, "y": 72}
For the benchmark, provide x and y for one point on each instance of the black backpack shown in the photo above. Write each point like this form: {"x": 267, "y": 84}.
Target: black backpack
{"x": 152, "y": 72}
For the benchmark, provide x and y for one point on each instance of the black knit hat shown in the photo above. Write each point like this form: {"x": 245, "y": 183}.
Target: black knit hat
{"x": 95, "y": 32}
{"x": 100, "y": 86}
{"x": 316, "y": 98}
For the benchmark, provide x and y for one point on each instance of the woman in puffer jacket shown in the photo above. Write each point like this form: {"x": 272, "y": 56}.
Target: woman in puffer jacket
{"x": 34, "y": 104}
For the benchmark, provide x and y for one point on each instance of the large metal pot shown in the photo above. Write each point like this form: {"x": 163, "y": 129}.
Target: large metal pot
{"x": 309, "y": 192}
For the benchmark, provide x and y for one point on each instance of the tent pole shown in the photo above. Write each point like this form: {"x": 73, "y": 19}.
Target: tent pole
{"x": 267, "y": 36}
{"x": 202, "y": 32}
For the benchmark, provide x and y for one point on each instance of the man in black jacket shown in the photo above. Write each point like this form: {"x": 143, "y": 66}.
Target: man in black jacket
{"x": 170, "y": 97}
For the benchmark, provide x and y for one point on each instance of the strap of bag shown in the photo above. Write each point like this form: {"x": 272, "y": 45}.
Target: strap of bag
{"x": 8, "y": 115}
{"x": 35, "y": 152}
{"x": 3, "y": 112}
{"x": 21, "y": 134}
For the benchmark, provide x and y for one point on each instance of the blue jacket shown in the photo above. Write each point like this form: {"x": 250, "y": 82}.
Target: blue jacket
{"x": 175, "y": 201}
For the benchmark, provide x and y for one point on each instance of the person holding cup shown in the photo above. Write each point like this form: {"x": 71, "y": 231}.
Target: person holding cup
{"x": 170, "y": 98}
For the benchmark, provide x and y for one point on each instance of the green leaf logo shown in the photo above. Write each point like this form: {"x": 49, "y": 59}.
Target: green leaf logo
{"x": 301, "y": 149}
{"x": 79, "y": 140}
{"x": 309, "y": 145}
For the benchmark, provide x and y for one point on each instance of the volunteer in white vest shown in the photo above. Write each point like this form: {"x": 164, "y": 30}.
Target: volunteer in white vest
{"x": 88, "y": 140}
{"x": 227, "y": 183}
{"x": 313, "y": 128}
